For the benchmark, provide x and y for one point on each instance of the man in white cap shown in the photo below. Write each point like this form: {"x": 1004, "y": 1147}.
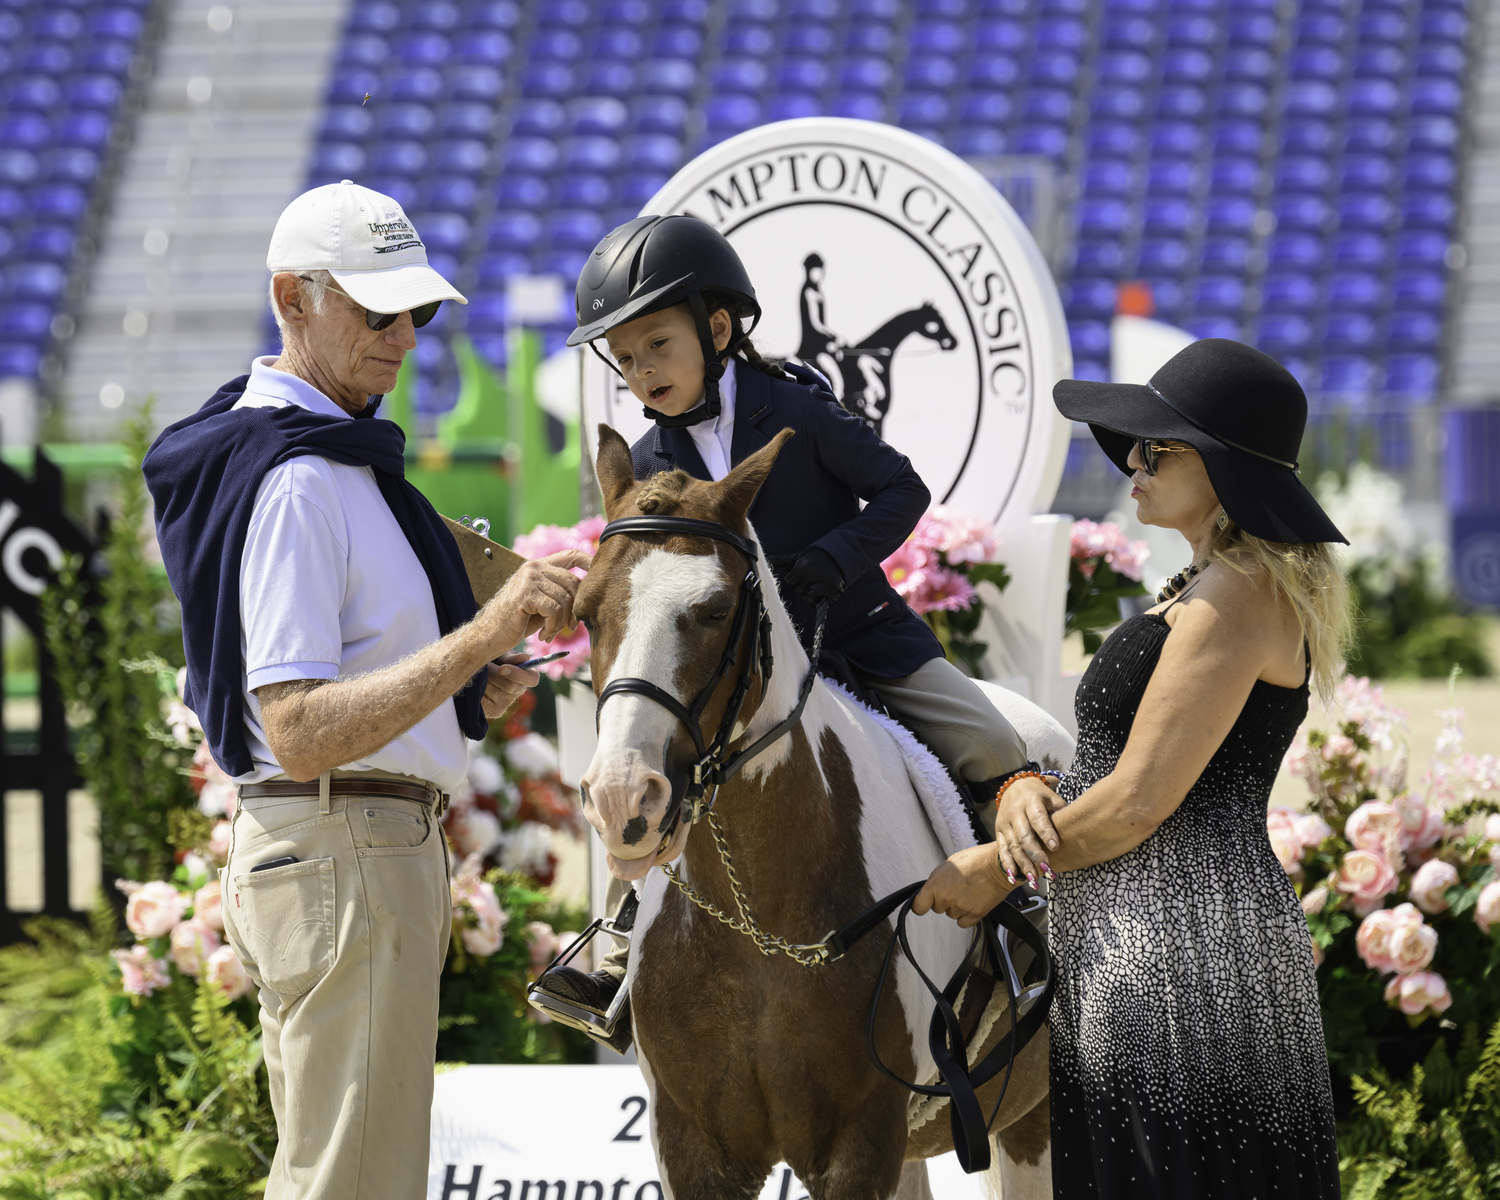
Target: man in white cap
{"x": 337, "y": 663}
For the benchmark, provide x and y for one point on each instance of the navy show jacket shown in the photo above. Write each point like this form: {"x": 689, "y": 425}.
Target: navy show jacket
{"x": 811, "y": 498}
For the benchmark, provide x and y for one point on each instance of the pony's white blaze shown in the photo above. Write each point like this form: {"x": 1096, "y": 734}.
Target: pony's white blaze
{"x": 634, "y": 731}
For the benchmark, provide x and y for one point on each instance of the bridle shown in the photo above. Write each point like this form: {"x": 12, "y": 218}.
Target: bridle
{"x": 715, "y": 764}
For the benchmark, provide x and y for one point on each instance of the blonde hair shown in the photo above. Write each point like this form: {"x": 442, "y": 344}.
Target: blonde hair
{"x": 1308, "y": 576}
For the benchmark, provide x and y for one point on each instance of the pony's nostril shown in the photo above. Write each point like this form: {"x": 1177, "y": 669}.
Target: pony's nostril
{"x": 658, "y": 791}
{"x": 583, "y": 794}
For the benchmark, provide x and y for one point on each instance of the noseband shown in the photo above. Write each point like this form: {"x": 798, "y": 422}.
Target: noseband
{"x": 715, "y": 765}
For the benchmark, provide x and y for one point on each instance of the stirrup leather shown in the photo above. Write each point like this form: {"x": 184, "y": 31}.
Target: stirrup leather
{"x": 601, "y": 1027}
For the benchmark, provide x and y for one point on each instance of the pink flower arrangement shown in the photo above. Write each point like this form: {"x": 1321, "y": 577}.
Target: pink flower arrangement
{"x": 550, "y": 539}
{"x": 1487, "y": 908}
{"x": 1419, "y": 994}
{"x": 476, "y": 910}
{"x": 141, "y": 972}
{"x": 208, "y": 905}
{"x": 1093, "y": 540}
{"x": 192, "y": 942}
{"x": 1366, "y": 878}
{"x": 154, "y": 909}
{"x": 1430, "y": 883}
{"x": 224, "y": 970}
{"x": 931, "y": 569}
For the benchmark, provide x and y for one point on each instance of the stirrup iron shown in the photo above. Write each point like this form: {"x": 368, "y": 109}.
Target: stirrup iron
{"x": 599, "y": 1027}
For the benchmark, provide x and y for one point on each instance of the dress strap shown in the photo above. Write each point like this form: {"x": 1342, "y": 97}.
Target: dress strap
{"x": 1307, "y": 659}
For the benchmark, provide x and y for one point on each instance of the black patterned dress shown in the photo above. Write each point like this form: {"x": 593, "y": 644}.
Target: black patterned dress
{"x": 1187, "y": 1046}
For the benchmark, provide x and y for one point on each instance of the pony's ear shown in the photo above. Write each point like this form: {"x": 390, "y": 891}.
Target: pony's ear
{"x": 737, "y": 489}
{"x": 613, "y": 468}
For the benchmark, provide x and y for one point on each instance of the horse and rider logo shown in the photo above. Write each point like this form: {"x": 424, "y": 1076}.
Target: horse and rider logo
{"x": 860, "y": 371}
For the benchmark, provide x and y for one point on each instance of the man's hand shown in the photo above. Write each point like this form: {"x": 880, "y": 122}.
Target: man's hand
{"x": 538, "y": 597}
{"x": 965, "y": 887}
{"x": 505, "y": 685}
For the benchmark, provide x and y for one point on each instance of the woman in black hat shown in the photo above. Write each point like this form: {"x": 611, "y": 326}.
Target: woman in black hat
{"x": 1186, "y": 1039}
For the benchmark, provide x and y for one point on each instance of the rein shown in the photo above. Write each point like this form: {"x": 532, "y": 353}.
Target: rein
{"x": 716, "y": 766}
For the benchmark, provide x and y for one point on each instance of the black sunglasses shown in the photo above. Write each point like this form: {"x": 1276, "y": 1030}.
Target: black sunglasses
{"x": 420, "y": 315}
{"x": 1150, "y": 448}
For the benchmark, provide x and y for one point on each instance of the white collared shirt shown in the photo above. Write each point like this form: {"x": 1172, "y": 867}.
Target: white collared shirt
{"x": 715, "y": 438}
{"x": 330, "y": 587}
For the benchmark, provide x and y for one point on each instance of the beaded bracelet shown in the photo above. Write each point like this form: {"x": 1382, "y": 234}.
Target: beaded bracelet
{"x": 1016, "y": 776}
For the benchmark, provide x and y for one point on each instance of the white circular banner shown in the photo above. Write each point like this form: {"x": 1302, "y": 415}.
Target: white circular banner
{"x": 890, "y": 265}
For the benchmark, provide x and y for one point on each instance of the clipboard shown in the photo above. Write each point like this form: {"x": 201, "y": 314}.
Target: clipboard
{"x": 489, "y": 564}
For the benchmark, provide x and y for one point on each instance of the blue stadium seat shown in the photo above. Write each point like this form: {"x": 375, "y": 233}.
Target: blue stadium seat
{"x": 82, "y": 129}
{"x": 1098, "y": 258}
{"x": 802, "y": 75}
{"x": 936, "y": 37}
{"x": 1242, "y": 100}
{"x": 869, "y": 39}
{"x": 439, "y": 15}
{"x": 1103, "y": 218}
{"x": 341, "y": 123}
{"x": 444, "y": 232}
{"x": 545, "y": 78}
{"x": 681, "y": 12}
{"x": 364, "y": 51}
{"x": 1426, "y": 290}
{"x": 486, "y": 313}
{"x": 18, "y": 166}
{"x": 865, "y": 75}
{"x": 1172, "y": 177}
{"x": 1060, "y": 33}
{"x": 1162, "y": 256}
{"x": 1113, "y": 139}
{"x": 1186, "y": 66}
{"x": 29, "y": 93}
{"x": 628, "y": 12}
{"x": 1436, "y": 97}
{"x": 792, "y": 105}
{"x": 1214, "y": 327}
{"x": 672, "y": 77}
{"x": 401, "y": 159}
{"x": 1167, "y": 216}
{"x": 61, "y": 202}
{"x": 109, "y": 58}
{"x": 1369, "y": 210}
{"x": 608, "y": 79}
{"x": 1316, "y": 62}
{"x": 581, "y": 191}
{"x": 862, "y": 106}
{"x": 1413, "y": 331}
{"x": 413, "y": 121}
{"x": 1288, "y": 292}
{"x": 1238, "y": 137}
{"x": 1421, "y": 248}
{"x": 1231, "y": 214}
{"x": 1192, "y": 29}
{"x": 1432, "y": 133}
{"x": 12, "y": 204}
{"x": 474, "y": 83}
{"x": 1357, "y": 291}
{"x": 461, "y": 157}
{"x": 1169, "y": 297}
{"x": 931, "y": 72}
{"x": 815, "y": 40}
{"x": 1090, "y": 339}
{"x": 1089, "y": 298}
{"x": 492, "y": 270}
{"x": 750, "y": 41}
{"x": 1326, "y": 29}
{"x": 1310, "y": 98}
{"x": 1302, "y": 173}
{"x": 27, "y": 323}
{"x": 1346, "y": 374}
{"x": 571, "y": 14}
{"x": 530, "y": 156}
{"x": 1222, "y": 294}
{"x": 1441, "y": 27}
{"x": 590, "y": 153}
{"x": 1436, "y": 172}
{"x": 652, "y": 152}
{"x": 1374, "y": 97}
{"x": 1047, "y": 104}
{"x": 1053, "y": 68}
{"x": 49, "y": 243}
{"x": 1180, "y": 102}
{"x": 993, "y": 71}
{"x": 637, "y": 187}
{"x": 731, "y": 114}
{"x": 25, "y": 130}
{"x": 57, "y": 23}
{"x": 423, "y": 85}
{"x": 1427, "y": 210}
{"x": 1415, "y": 376}
{"x": 746, "y": 76}
{"x": 332, "y": 161}
{"x": 986, "y": 108}
{"x": 538, "y": 118}
{"x": 1307, "y": 137}
{"x": 597, "y": 115}
{"x": 424, "y": 50}
{"x": 374, "y": 18}
{"x": 449, "y": 194}
{"x": 923, "y": 110}
{"x": 575, "y": 229}
{"x": 678, "y": 41}
{"x": 658, "y": 114}
{"x": 1048, "y": 140}
{"x": 1441, "y": 61}
{"x": 1000, "y": 36}
{"x": 1117, "y": 103}
{"x": 1129, "y": 33}
{"x": 466, "y": 121}
{"x": 1372, "y": 135}
{"x": 1388, "y": 27}
{"x": 117, "y": 23}
{"x": 1108, "y": 178}
{"x": 1359, "y": 248}
{"x": 483, "y": 48}
{"x": 617, "y": 43}
{"x": 813, "y": 10}
{"x": 1228, "y": 255}
{"x": 513, "y": 231}
{"x": 1123, "y": 66}
{"x": 1379, "y": 62}
{"x": 1253, "y": 30}
{"x": 1248, "y": 64}
{"x": 1235, "y": 177}
{"x": 35, "y": 281}
{"x": 1366, "y": 173}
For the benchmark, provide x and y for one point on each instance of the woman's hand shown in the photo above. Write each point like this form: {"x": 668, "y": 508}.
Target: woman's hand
{"x": 965, "y": 887}
{"x": 1024, "y": 829}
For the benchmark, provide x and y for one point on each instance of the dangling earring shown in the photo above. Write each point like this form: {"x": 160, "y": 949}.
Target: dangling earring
{"x": 1223, "y": 521}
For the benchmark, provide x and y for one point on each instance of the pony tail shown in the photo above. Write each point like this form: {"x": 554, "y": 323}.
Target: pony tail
{"x": 751, "y": 357}
{"x": 745, "y": 351}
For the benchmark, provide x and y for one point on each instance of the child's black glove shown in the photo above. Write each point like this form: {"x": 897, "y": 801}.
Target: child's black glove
{"x": 815, "y": 576}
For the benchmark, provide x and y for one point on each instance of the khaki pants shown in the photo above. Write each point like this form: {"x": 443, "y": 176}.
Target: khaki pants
{"x": 346, "y": 946}
{"x": 951, "y": 715}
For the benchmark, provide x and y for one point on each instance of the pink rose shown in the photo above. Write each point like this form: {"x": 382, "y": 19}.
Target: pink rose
{"x": 1430, "y": 882}
{"x": 208, "y": 905}
{"x": 477, "y": 911}
{"x": 1288, "y": 849}
{"x": 218, "y": 840}
{"x": 1311, "y": 830}
{"x": 1487, "y": 910}
{"x": 192, "y": 942}
{"x": 140, "y": 974}
{"x": 1373, "y": 941}
{"x": 1492, "y": 827}
{"x": 543, "y": 944}
{"x": 1366, "y": 878}
{"x": 1422, "y": 992}
{"x": 1421, "y": 824}
{"x": 1412, "y": 947}
{"x": 1371, "y": 825}
{"x": 154, "y": 909}
{"x": 224, "y": 970}
{"x": 1314, "y": 901}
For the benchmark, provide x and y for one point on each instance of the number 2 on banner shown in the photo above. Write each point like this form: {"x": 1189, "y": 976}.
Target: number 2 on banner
{"x": 640, "y": 1110}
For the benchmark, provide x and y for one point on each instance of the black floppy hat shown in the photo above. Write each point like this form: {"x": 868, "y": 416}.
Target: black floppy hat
{"x": 1240, "y": 409}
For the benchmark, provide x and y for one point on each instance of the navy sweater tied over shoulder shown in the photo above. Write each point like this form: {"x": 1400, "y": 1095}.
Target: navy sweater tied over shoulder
{"x": 203, "y": 474}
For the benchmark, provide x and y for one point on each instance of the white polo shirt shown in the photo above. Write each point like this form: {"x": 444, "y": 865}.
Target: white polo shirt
{"x": 714, "y": 440}
{"x": 330, "y": 587}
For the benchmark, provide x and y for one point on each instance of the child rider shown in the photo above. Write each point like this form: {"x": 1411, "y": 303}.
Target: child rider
{"x": 670, "y": 295}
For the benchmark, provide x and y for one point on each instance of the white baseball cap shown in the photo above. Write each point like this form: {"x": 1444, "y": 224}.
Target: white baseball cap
{"x": 364, "y": 241}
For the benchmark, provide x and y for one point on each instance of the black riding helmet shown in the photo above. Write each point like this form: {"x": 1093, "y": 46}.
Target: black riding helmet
{"x": 652, "y": 263}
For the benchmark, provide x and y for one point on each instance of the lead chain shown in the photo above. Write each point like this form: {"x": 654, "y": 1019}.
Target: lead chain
{"x": 814, "y": 955}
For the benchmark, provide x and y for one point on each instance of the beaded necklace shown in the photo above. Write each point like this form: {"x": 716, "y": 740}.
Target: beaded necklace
{"x": 1178, "y": 581}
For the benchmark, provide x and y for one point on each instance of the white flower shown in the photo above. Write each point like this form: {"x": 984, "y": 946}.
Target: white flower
{"x": 473, "y": 830}
{"x": 486, "y": 776}
{"x": 197, "y": 870}
{"x": 531, "y": 754}
{"x": 527, "y": 848}
{"x": 216, "y": 799}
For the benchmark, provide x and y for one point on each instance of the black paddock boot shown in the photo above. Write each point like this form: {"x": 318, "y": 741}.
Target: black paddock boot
{"x": 585, "y": 1001}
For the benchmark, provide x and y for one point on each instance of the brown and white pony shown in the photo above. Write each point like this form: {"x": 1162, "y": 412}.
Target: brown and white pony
{"x": 750, "y": 1059}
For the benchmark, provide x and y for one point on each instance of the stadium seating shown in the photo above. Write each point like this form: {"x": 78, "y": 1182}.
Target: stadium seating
{"x": 1282, "y": 174}
{"x": 63, "y": 70}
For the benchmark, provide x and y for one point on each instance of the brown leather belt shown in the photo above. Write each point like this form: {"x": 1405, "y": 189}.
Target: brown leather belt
{"x": 285, "y": 788}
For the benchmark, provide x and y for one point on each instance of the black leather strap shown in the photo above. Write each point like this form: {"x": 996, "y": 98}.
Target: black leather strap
{"x": 688, "y": 526}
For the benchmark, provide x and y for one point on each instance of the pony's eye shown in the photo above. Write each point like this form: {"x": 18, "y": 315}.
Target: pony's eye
{"x": 714, "y": 618}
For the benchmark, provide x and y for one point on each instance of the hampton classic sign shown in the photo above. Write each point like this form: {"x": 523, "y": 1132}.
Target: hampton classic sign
{"x": 895, "y": 269}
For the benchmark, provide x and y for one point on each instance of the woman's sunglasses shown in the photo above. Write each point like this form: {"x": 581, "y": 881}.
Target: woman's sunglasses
{"x": 420, "y": 315}
{"x": 1149, "y": 449}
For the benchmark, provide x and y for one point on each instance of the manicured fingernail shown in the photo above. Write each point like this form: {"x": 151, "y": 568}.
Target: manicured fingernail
{"x": 1010, "y": 875}
{"x": 1030, "y": 879}
{"x": 1047, "y": 871}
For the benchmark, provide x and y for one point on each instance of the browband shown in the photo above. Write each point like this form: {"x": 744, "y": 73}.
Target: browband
{"x": 1291, "y": 466}
{"x": 689, "y": 526}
